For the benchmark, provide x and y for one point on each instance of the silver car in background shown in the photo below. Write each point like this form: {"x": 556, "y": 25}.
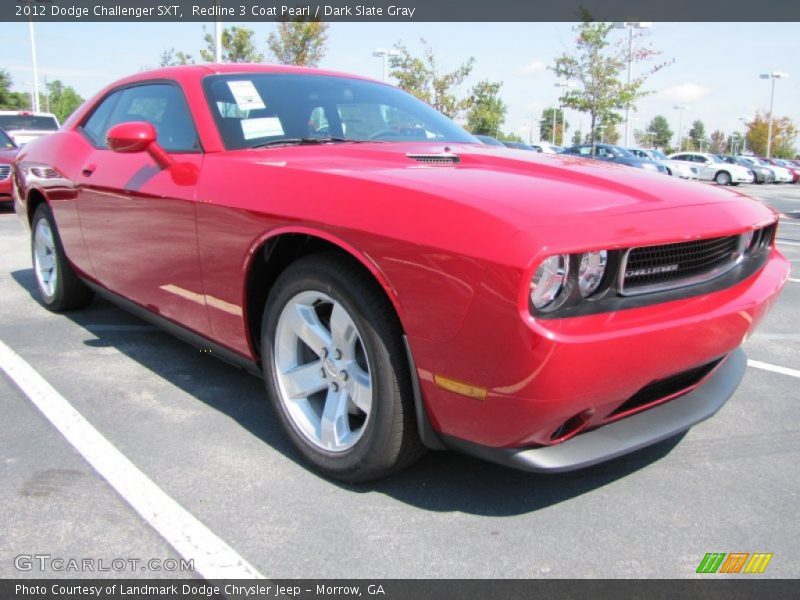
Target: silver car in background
{"x": 676, "y": 168}
{"x": 710, "y": 168}
{"x": 782, "y": 175}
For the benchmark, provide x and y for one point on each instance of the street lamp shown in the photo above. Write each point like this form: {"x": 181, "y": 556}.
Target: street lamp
{"x": 536, "y": 119}
{"x": 773, "y": 76}
{"x": 566, "y": 84}
{"x": 744, "y": 135}
{"x": 630, "y": 26}
{"x": 35, "y": 99}
{"x": 680, "y": 108}
{"x": 385, "y": 54}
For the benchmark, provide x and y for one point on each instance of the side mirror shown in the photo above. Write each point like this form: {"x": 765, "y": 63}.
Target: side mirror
{"x": 138, "y": 136}
{"x": 131, "y": 137}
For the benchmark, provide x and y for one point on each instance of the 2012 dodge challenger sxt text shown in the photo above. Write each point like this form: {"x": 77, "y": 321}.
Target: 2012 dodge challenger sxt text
{"x": 399, "y": 285}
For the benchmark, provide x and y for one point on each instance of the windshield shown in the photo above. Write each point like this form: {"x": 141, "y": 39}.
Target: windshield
{"x": 14, "y": 122}
{"x": 658, "y": 154}
{"x": 5, "y": 141}
{"x": 259, "y": 109}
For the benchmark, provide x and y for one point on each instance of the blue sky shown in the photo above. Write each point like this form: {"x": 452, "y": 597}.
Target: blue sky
{"x": 715, "y": 70}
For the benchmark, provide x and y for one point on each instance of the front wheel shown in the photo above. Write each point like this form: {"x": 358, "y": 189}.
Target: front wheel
{"x": 60, "y": 289}
{"x": 336, "y": 371}
{"x": 723, "y": 178}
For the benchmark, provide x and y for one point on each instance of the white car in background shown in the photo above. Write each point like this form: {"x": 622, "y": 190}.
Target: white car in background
{"x": 677, "y": 168}
{"x": 546, "y": 147}
{"x": 709, "y": 168}
{"x": 24, "y": 125}
{"x": 782, "y": 175}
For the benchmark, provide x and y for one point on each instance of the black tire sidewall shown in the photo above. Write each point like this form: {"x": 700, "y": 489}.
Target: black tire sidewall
{"x": 372, "y": 452}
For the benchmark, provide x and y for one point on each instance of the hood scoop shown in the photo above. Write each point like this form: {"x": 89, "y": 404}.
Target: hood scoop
{"x": 440, "y": 158}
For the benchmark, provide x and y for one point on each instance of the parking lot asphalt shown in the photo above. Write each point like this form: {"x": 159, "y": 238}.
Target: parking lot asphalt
{"x": 202, "y": 431}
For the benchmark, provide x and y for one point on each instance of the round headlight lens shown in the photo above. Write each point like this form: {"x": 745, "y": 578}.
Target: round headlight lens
{"x": 549, "y": 280}
{"x": 592, "y": 269}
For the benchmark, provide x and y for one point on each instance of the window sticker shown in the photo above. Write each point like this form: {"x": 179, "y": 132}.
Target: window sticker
{"x": 263, "y": 127}
{"x": 246, "y": 95}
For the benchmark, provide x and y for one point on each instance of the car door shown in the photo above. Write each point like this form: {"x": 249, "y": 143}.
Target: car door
{"x": 705, "y": 167}
{"x": 138, "y": 219}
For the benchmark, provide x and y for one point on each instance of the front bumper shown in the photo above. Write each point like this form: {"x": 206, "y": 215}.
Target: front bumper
{"x": 623, "y": 436}
{"x": 5, "y": 190}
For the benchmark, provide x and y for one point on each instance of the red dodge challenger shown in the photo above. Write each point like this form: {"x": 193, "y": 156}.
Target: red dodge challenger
{"x": 398, "y": 285}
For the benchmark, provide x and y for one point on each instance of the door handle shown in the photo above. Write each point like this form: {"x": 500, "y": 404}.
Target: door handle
{"x": 89, "y": 169}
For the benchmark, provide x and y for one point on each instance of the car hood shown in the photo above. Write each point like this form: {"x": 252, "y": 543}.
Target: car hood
{"x": 532, "y": 187}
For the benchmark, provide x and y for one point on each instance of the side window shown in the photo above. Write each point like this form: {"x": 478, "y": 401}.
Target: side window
{"x": 585, "y": 150}
{"x": 163, "y": 106}
{"x": 95, "y": 126}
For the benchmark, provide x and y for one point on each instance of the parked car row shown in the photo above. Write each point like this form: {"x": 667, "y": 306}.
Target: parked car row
{"x": 705, "y": 166}
{"x": 8, "y": 150}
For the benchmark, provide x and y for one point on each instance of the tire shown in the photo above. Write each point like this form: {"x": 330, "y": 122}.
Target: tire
{"x": 722, "y": 178}
{"x": 59, "y": 287}
{"x": 336, "y": 370}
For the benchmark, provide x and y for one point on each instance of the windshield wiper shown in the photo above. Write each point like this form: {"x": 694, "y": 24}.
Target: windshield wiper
{"x": 305, "y": 141}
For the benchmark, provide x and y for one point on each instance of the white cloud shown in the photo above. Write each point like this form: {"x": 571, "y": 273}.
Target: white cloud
{"x": 685, "y": 92}
{"x": 532, "y": 68}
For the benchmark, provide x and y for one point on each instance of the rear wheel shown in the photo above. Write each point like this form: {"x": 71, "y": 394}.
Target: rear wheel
{"x": 336, "y": 372}
{"x": 723, "y": 178}
{"x": 59, "y": 287}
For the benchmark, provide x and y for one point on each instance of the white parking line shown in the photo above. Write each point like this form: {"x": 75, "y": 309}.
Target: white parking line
{"x": 757, "y": 364}
{"x": 794, "y": 280}
{"x": 213, "y": 558}
{"x": 787, "y": 243}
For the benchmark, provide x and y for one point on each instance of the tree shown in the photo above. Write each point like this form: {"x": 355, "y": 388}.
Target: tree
{"x": 610, "y": 133}
{"x": 63, "y": 100}
{"x": 423, "y": 78}
{"x": 697, "y": 135}
{"x": 487, "y": 111}
{"x": 718, "y": 142}
{"x": 576, "y": 138}
{"x": 736, "y": 145}
{"x": 784, "y": 134}
{"x": 662, "y": 134}
{"x": 508, "y": 137}
{"x": 301, "y": 43}
{"x": 546, "y": 125}
{"x": 11, "y": 100}
{"x": 596, "y": 65}
{"x": 238, "y": 46}
{"x": 172, "y": 58}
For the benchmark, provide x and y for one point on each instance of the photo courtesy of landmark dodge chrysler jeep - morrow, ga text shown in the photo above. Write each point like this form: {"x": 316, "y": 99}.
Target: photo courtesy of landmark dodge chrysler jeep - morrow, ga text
{"x": 398, "y": 285}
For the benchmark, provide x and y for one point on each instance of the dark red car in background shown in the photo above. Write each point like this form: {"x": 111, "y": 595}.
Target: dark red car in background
{"x": 397, "y": 284}
{"x": 8, "y": 150}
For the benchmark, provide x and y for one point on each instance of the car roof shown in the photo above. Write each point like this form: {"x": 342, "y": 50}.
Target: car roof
{"x": 192, "y": 71}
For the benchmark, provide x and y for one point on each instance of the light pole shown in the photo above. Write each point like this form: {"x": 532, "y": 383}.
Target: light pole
{"x": 566, "y": 84}
{"x": 537, "y": 120}
{"x": 630, "y": 26}
{"x": 553, "y": 130}
{"x": 680, "y": 108}
{"x": 773, "y": 76}
{"x": 35, "y": 99}
{"x": 744, "y": 135}
{"x": 385, "y": 54}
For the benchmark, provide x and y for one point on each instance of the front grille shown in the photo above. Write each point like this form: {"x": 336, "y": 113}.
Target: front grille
{"x": 667, "y": 388}
{"x": 5, "y": 172}
{"x": 658, "y": 268}
{"x": 435, "y": 159}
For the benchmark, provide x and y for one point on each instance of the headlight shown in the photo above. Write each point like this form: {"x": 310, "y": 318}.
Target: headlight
{"x": 549, "y": 280}
{"x": 592, "y": 269}
{"x": 649, "y": 166}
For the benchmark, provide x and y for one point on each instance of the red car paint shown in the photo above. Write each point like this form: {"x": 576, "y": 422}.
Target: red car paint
{"x": 454, "y": 248}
